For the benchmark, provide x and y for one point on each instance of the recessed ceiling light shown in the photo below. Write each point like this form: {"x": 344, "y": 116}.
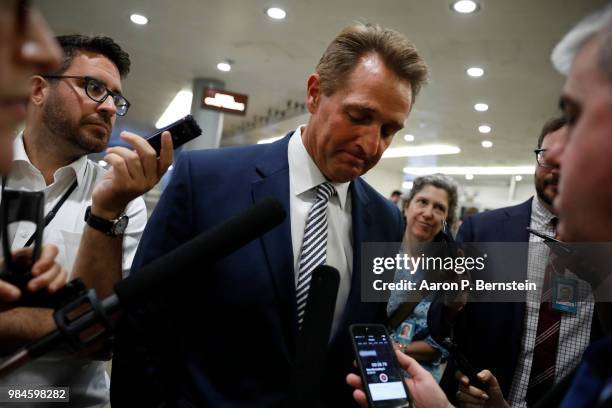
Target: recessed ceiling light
{"x": 475, "y": 72}
{"x": 484, "y": 129}
{"x": 139, "y": 19}
{"x": 276, "y": 13}
{"x": 465, "y": 6}
{"x": 473, "y": 170}
{"x": 518, "y": 178}
{"x": 423, "y": 150}
{"x": 224, "y": 66}
{"x": 486, "y": 144}
{"x": 481, "y": 107}
{"x": 469, "y": 176}
{"x": 409, "y": 138}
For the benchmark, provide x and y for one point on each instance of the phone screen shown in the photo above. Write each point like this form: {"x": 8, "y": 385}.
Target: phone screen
{"x": 380, "y": 370}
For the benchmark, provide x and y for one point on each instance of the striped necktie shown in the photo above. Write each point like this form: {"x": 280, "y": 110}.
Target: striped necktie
{"x": 313, "y": 246}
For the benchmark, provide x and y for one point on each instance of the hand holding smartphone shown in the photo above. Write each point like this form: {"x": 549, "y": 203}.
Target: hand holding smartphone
{"x": 383, "y": 380}
{"x": 463, "y": 364}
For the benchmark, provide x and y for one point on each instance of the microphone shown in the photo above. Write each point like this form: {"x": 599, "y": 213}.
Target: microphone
{"x": 82, "y": 329}
{"x": 314, "y": 337}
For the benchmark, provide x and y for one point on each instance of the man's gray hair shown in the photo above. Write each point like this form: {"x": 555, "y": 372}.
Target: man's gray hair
{"x": 599, "y": 22}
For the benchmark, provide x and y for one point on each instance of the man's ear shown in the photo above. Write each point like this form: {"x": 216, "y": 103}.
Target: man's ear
{"x": 313, "y": 92}
{"x": 39, "y": 89}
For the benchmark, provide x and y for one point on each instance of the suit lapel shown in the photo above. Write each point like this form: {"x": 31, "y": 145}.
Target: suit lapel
{"x": 515, "y": 229}
{"x": 516, "y": 223}
{"x": 273, "y": 168}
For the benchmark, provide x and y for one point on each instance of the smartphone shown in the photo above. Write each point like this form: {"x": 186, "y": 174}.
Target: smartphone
{"x": 382, "y": 377}
{"x": 182, "y": 131}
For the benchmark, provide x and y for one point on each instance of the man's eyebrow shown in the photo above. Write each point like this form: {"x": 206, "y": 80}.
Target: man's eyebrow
{"x": 361, "y": 107}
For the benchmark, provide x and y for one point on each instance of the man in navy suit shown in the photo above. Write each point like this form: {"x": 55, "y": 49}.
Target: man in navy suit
{"x": 501, "y": 336}
{"x": 234, "y": 342}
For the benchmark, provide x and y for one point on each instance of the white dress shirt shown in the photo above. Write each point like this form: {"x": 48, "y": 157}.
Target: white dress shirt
{"x": 89, "y": 384}
{"x": 304, "y": 176}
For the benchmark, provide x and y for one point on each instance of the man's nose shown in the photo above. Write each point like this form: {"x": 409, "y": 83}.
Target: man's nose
{"x": 369, "y": 140}
{"x": 108, "y": 106}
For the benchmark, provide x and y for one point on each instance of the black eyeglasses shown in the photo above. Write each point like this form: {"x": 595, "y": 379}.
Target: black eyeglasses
{"x": 542, "y": 159}
{"x": 98, "y": 92}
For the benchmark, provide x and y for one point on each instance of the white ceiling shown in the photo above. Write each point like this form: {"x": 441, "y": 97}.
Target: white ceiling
{"x": 510, "y": 39}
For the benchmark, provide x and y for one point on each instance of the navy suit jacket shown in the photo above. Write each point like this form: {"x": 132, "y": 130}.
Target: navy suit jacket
{"x": 231, "y": 337}
{"x": 490, "y": 334}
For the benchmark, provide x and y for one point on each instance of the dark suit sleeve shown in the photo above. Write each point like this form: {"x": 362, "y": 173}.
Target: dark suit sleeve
{"x": 138, "y": 366}
{"x": 402, "y": 224}
{"x": 466, "y": 231}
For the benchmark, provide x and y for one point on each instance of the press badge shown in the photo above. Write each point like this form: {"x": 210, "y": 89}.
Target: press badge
{"x": 565, "y": 295}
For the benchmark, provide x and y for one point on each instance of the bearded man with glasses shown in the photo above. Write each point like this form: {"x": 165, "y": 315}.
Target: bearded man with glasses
{"x": 99, "y": 214}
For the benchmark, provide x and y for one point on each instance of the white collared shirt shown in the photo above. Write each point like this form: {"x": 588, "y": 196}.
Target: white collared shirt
{"x": 304, "y": 176}
{"x": 87, "y": 379}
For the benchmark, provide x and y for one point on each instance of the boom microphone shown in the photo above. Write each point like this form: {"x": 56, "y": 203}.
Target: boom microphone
{"x": 205, "y": 249}
{"x": 153, "y": 279}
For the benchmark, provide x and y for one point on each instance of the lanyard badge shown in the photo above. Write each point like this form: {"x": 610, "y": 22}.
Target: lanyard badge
{"x": 565, "y": 295}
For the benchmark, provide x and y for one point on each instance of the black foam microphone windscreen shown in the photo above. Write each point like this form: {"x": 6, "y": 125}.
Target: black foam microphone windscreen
{"x": 177, "y": 267}
{"x": 314, "y": 337}
{"x": 202, "y": 251}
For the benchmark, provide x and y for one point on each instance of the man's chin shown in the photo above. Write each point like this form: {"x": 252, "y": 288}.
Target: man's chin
{"x": 93, "y": 144}
{"x": 343, "y": 174}
{"x": 573, "y": 232}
